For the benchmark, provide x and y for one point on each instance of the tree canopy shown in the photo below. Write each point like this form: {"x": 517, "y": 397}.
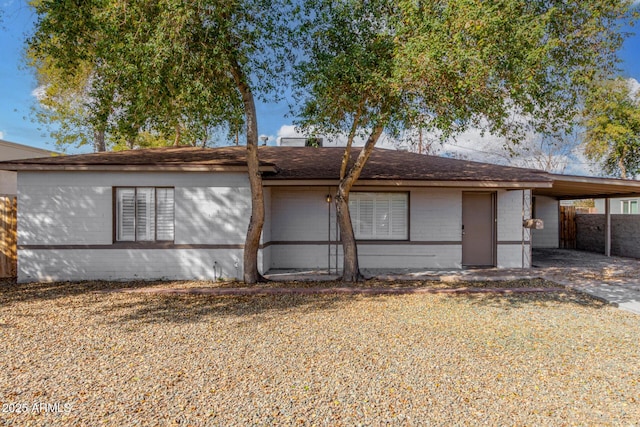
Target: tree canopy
{"x": 158, "y": 67}
{"x": 382, "y": 65}
{"x": 612, "y": 127}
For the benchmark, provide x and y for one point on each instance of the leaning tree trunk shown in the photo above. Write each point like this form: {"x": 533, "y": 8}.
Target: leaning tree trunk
{"x": 622, "y": 167}
{"x": 350, "y": 266}
{"x": 251, "y": 274}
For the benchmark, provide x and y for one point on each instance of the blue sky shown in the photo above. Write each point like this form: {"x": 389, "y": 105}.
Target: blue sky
{"x": 17, "y": 83}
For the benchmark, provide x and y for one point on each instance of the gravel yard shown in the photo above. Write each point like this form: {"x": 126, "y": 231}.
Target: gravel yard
{"x": 74, "y": 356}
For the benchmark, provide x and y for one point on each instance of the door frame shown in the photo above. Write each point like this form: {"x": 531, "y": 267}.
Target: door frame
{"x": 494, "y": 229}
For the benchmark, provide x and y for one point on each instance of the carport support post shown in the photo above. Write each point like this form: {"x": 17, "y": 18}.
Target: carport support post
{"x": 607, "y": 227}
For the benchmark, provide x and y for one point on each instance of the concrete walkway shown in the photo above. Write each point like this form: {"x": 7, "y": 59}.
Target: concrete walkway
{"x": 611, "y": 279}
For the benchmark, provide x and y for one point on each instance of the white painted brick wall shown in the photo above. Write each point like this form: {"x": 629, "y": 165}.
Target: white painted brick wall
{"x": 369, "y": 256}
{"x": 302, "y": 214}
{"x": 213, "y": 215}
{"x": 299, "y": 214}
{"x": 510, "y": 229}
{"x": 123, "y": 264}
{"x": 300, "y": 256}
{"x": 546, "y": 209}
{"x": 509, "y": 215}
{"x": 265, "y": 260}
{"x": 69, "y": 214}
{"x": 266, "y": 230}
{"x": 61, "y": 208}
{"x": 77, "y": 208}
{"x": 436, "y": 215}
{"x": 510, "y": 256}
{"x": 410, "y": 256}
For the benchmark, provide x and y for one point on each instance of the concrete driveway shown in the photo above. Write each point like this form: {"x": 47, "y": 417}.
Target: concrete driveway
{"x": 613, "y": 279}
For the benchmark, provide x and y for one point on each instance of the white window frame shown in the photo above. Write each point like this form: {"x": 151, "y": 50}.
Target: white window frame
{"x": 380, "y": 215}
{"x": 629, "y": 206}
{"x": 144, "y": 214}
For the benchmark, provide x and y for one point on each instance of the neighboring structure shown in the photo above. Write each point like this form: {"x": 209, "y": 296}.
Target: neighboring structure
{"x": 628, "y": 205}
{"x": 13, "y": 151}
{"x": 8, "y": 203}
{"x": 182, "y": 213}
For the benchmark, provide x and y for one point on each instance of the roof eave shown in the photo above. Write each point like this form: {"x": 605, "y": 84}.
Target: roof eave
{"x": 131, "y": 168}
{"x": 411, "y": 183}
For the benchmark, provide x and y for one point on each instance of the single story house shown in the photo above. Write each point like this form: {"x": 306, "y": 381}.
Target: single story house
{"x": 182, "y": 213}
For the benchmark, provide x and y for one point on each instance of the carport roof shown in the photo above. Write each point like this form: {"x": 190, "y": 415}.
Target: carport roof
{"x": 569, "y": 187}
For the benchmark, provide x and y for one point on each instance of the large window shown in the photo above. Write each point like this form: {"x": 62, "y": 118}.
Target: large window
{"x": 144, "y": 214}
{"x": 629, "y": 206}
{"x": 379, "y": 216}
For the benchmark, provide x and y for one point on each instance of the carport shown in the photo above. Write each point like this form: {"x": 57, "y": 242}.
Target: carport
{"x": 569, "y": 187}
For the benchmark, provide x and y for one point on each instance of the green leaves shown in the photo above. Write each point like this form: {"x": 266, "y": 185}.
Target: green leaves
{"x": 448, "y": 64}
{"x": 159, "y": 66}
{"x": 612, "y": 127}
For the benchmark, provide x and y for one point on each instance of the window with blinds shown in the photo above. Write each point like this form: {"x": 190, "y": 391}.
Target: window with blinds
{"x": 379, "y": 216}
{"x": 144, "y": 214}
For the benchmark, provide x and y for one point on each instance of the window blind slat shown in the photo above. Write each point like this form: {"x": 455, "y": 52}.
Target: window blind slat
{"x": 399, "y": 226}
{"x": 382, "y": 213}
{"x": 126, "y": 211}
{"x": 165, "y": 214}
{"x": 366, "y": 217}
{"x": 145, "y": 215}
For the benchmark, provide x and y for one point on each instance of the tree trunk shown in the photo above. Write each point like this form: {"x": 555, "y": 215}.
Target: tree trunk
{"x": 623, "y": 168}
{"x": 251, "y": 274}
{"x": 98, "y": 141}
{"x": 176, "y": 140}
{"x": 351, "y": 267}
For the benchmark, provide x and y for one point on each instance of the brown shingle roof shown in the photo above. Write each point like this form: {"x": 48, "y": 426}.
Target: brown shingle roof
{"x": 324, "y": 163}
{"x": 288, "y": 163}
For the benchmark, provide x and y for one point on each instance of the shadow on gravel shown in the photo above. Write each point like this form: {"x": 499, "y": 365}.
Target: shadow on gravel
{"x": 12, "y": 292}
{"x": 142, "y": 308}
{"x": 195, "y": 308}
{"x": 149, "y": 309}
{"x": 540, "y": 299}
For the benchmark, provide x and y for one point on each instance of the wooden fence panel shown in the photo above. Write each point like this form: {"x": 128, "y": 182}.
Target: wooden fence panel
{"x": 568, "y": 227}
{"x": 8, "y": 236}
